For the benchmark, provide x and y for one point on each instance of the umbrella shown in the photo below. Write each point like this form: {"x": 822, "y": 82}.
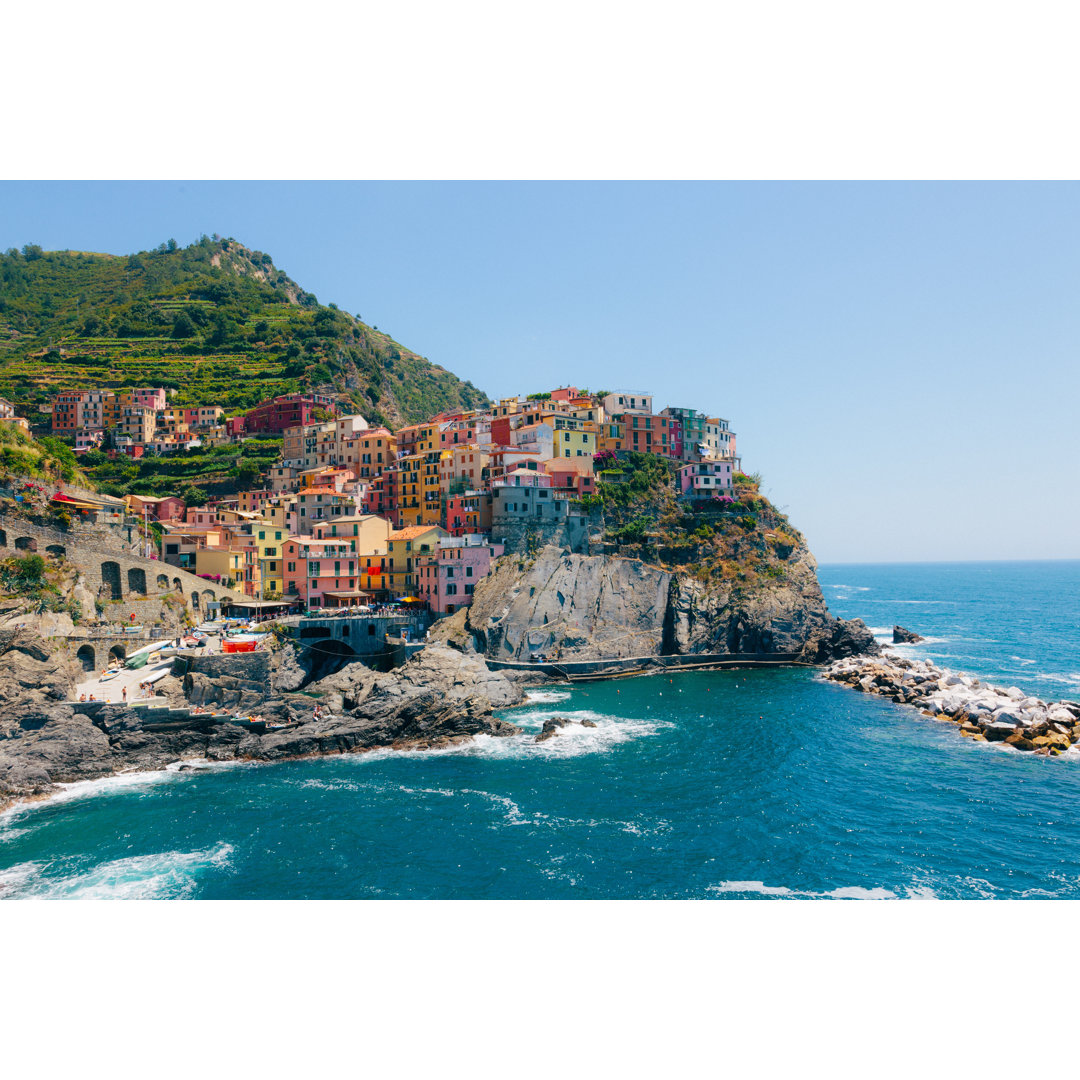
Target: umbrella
{"x": 411, "y": 600}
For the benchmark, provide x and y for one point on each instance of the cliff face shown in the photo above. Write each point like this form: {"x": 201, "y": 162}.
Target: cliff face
{"x": 584, "y": 607}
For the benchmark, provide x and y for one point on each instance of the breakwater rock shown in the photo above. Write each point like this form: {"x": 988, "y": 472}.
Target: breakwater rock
{"x": 601, "y": 607}
{"x": 901, "y": 636}
{"x": 438, "y": 698}
{"x": 981, "y": 711}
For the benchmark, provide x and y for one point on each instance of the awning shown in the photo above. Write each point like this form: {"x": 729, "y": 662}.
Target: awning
{"x": 345, "y": 594}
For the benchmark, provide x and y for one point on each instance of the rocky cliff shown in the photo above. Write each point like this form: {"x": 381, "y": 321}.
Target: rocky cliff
{"x": 588, "y": 607}
{"x": 439, "y": 698}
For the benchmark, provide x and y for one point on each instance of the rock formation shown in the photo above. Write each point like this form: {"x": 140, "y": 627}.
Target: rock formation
{"x": 901, "y": 636}
{"x": 983, "y": 712}
{"x": 586, "y": 607}
{"x": 438, "y": 698}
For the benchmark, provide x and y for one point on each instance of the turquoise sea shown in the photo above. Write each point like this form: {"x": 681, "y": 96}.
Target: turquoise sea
{"x": 720, "y": 785}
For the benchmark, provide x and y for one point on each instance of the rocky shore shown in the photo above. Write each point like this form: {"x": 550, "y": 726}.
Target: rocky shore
{"x": 439, "y": 698}
{"x": 981, "y": 711}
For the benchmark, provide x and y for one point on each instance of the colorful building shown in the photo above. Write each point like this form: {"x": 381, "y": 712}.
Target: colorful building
{"x": 447, "y": 576}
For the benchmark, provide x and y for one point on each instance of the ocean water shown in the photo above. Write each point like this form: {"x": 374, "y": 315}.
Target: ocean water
{"x": 750, "y": 784}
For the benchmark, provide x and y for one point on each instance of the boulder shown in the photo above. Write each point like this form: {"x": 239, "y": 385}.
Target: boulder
{"x": 901, "y": 636}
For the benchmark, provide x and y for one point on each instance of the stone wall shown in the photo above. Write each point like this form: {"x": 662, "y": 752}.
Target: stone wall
{"x": 140, "y": 585}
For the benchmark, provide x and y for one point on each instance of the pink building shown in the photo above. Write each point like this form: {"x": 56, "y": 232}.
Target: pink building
{"x": 703, "y": 479}
{"x": 200, "y": 515}
{"x": 446, "y": 579}
{"x": 573, "y": 475}
{"x": 324, "y": 573}
{"x": 171, "y": 508}
{"x": 155, "y": 398}
{"x": 235, "y": 426}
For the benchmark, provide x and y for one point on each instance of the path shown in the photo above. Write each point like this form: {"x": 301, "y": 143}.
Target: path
{"x": 131, "y": 677}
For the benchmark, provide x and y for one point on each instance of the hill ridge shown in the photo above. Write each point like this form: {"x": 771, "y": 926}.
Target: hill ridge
{"x": 216, "y": 322}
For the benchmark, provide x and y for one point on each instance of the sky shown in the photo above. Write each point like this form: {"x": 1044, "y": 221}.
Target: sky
{"x": 898, "y": 360}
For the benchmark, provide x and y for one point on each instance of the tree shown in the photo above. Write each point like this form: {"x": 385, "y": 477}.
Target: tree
{"x": 247, "y": 474}
{"x": 192, "y": 495}
{"x": 183, "y": 327}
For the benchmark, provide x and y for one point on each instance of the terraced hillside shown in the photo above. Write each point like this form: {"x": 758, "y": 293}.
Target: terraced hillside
{"x": 214, "y": 322}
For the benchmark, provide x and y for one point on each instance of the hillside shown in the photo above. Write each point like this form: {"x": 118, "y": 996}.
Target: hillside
{"x": 216, "y": 322}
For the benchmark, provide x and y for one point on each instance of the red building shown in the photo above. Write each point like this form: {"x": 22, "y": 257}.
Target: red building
{"x": 376, "y": 498}
{"x": 291, "y": 410}
{"x": 468, "y": 513}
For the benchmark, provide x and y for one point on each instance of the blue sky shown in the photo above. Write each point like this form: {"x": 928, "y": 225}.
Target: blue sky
{"x": 899, "y": 360}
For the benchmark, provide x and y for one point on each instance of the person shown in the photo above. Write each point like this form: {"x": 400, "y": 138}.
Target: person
{"x": 82, "y": 697}
{"x": 123, "y": 693}
{"x": 92, "y": 698}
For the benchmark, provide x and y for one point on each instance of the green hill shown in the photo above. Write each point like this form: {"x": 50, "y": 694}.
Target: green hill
{"x": 216, "y": 322}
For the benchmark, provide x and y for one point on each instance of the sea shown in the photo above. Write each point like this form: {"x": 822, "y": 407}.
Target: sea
{"x": 767, "y": 784}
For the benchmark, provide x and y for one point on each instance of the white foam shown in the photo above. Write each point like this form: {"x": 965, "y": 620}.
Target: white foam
{"x": 171, "y": 875}
{"x": 549, "y": 696}
{"x": 848, "y": 892}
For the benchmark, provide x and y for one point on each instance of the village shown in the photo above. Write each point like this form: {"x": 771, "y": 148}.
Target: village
{"x": 353, "y": 515}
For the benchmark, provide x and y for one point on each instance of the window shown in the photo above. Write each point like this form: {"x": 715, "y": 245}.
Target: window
{"x": 313, "y": 569}
{"x": 292, "y": 567}
{"x": 468, "y": 571}
{"x": 451, "y": 590}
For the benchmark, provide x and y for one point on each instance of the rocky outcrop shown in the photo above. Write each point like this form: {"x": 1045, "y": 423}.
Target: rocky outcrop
{"x": 981, "y": 711}
{"x": 439, "y": 698}
{"x": 551, "y": 727}
{"x": 580, "y": 607}
{"x": 32, "y": 673}
{"x": 901, "y": 636}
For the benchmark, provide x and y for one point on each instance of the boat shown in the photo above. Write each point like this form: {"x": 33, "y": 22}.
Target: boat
{"x": 148, "y": 653}
{"x": 107, "y": 675}
{"x": 239, "y": 643}
{"x": 134, "y": 629}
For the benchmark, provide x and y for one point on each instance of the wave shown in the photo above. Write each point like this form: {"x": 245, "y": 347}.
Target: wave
{"x": 852, "y": 588}
{"x": 847, "y": 892}
{"x": 170, "y": 875}
{"x": 571, "y": 741}
{"x": 549, "y": 696}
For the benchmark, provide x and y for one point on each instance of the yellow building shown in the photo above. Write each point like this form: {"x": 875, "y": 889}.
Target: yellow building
{"x": 220, "y": 562}
{"x": 406, "y": 546}
{"x": 268, "y": 541}
{"x": 367, "y": 534}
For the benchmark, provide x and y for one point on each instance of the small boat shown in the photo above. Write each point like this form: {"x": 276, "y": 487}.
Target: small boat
{"x": 239, "y": 643}
{"x": 134, "y": 629}
{"x": 107, "y": 675}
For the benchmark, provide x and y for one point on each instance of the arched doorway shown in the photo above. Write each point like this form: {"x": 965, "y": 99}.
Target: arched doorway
{"x": 87, "y": 656}
{"x": 110, "y": 580}
{"x": 25, "y": 543}
{"x": 163, "y": 582}
{"x": 118, "y": 652}
{"x": 137, "y": 580}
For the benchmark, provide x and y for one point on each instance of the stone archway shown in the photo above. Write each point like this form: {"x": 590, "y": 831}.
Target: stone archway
{"x": 3, "y": 538}
{"x": 58, "y": 551}
{"x": 136, "y": 577}
{"x": 25, "y": 543}
{"x": 178, "y": 585}
{"x": 110, "y": 580}
{"x": 194, "y": 600}
{"x": 87, "y": 656}
{"x": 118, "y": 652}
{"x": 163, "y": 582}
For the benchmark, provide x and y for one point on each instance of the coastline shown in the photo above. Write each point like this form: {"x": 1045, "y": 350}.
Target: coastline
{"x": 983, "y": 712}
